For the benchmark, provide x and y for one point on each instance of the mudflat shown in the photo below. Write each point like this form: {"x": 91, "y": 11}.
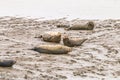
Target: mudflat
{"x": 98, "y": 58}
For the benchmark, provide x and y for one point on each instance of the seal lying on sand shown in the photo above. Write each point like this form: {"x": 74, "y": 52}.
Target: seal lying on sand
{"x": 52, "y": 49}
{"x": 89, "y": 26}
{"x": 7, "y": 63}
{"x": 71, "y": 42}
{"x": 52, "y": 37}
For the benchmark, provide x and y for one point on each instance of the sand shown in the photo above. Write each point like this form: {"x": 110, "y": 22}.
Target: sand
{"x": 97, "y": 59}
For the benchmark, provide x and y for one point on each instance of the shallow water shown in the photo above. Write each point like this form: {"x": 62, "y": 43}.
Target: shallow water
{"x": 85, "y": 9}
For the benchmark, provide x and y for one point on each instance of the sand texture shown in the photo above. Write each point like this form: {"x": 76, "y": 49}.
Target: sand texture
{"x": 98, "y": 58}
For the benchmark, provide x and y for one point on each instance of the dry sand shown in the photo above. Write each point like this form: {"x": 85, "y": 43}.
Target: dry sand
{"x": 97, "y": 59}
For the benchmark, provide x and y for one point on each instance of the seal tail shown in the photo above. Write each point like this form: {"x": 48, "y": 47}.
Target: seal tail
{"x": 82, "y": 41}
{"x": 90, "y": 25}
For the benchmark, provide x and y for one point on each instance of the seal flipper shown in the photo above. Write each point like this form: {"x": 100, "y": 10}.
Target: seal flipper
{"x": 82, "y": 41}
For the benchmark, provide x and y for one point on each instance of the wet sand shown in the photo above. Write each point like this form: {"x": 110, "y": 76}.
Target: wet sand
{"x": 97, "y": 59}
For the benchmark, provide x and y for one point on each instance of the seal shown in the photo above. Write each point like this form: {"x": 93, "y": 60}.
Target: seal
{"x": 52, "y": 49}
{"x": 88, "y": 26}
{"x": 71, "y": 42}
{"x": 7, "y": 63}
{"x": 52, "y": 37}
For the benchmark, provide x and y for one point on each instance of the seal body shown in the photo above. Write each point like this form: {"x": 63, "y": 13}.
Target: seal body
{"x": 52, "y": 49}
{"x": 71, "y": 42}
{"x": 7, "y": 63}
{"x": 88, "y": 26}
{"x": 52, "y": 37}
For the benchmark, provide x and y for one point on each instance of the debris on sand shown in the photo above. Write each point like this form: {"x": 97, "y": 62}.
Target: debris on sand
{"x": 63, "y": 26}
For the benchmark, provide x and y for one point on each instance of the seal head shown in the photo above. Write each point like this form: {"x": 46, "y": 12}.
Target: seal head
{"x": 7, "y": 63}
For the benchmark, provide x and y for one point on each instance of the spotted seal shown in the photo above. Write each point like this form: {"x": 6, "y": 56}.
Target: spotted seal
{"x": 88, "y": 26}
{"x": 71, "y": 42}
{"x": 52, "y": 37}
{"x": 52, "y": 49}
